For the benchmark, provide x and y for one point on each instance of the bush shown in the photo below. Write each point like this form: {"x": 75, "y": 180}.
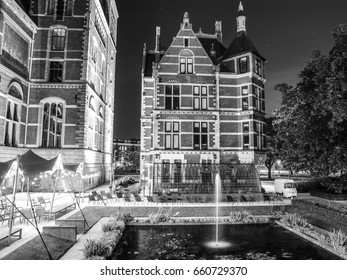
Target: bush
{"x": 93, "y": 248}
{"x": 160, "y": 217}
{"x": 307, "y": 186}
{"x": 331, "y": 205}
{"x": 335, "y": 184}
{"x": 113, "y": 224}
{"x": 126, "y": 181}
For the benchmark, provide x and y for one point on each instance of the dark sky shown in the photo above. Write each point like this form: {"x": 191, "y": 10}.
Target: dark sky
{"x": 284, "y": 32}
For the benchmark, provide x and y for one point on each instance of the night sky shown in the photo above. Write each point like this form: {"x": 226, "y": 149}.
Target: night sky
{"x": 283, "y": 31}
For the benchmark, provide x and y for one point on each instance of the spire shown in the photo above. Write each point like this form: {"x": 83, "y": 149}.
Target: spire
{"x": 241, "y": 19}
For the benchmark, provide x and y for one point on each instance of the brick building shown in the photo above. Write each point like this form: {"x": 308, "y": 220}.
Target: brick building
{"x": 203, "y": 108}
{"x": 58, "y": 81}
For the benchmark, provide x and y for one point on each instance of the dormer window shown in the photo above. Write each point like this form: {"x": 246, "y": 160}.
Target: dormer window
{"x": 186, "y": 42}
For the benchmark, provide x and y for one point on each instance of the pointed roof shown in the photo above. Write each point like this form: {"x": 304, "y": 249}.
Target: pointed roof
{"x": 240, "y": 12}
{"x": 212, "y": 43}
{"x": 241, "y": 44}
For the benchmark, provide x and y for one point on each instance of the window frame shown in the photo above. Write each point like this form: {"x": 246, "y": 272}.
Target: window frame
{"x": 56, "y": 38}
{"x": 55, "y": 71}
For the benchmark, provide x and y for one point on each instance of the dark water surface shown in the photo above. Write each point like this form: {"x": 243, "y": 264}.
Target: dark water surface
{"x": 180, "y": 242}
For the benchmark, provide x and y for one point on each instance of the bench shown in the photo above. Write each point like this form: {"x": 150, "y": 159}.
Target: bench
{"x": 16, "y": 232}
{"x": 62, "y": 208}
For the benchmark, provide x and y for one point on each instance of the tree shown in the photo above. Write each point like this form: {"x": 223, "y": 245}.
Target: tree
{"x": 312, "y": 121}
{"x": 272, "y": 145}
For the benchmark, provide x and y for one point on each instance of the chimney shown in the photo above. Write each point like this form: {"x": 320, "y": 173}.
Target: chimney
{"x": 157, "y": 39}
{"x": 218, "y": 30}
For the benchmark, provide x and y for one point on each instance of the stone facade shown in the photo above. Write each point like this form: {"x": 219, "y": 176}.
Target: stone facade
{"x": 201, "y": 102}
{"x": 66, "y": 81}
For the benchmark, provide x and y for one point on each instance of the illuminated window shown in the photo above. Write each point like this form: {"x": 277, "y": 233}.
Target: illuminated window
{"x": 52, "y": 125}
{"x": 58, "y": 39}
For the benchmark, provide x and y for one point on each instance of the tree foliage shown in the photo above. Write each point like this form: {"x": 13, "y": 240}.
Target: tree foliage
{"x": 312, "y": 121}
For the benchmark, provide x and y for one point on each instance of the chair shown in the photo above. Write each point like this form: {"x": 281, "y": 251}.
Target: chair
{"x": 26, "y": 215}
{"x": 110, "y": 196}
{"x": 103, "y": 195}
{"x": 43, "y": 201}
{"x": 41, "y": 213}
{"x": 119, "y": 195}
{"x": 179, "y": 198}
{"x": 92, "y": 199}
{"x": 4, "y": 217}
{"x": 127, "y": 199}
{"x": 201, "y": 199}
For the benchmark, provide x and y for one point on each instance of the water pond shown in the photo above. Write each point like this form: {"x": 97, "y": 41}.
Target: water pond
{"x": 197, "y": 242}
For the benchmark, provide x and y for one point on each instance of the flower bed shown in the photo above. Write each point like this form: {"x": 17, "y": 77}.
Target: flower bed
{"x": 99, "y": 249}
{"x": 235, "y": 217}
{"x": 335, "y": 242}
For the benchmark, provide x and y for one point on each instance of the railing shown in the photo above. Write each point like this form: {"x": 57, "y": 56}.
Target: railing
{"x": 200, "y": 178}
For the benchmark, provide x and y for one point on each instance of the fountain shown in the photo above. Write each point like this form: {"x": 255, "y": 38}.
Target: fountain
{"x": 218, "y": 190}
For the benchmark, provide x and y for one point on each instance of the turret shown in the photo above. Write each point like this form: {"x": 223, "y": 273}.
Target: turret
{"x": 241, "y": 19}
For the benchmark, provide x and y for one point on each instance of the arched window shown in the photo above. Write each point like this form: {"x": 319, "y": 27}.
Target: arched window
{"x": 186, "y": 62}
{"x": 92, "y": 103}
{"x": 52, "y": 124}
{"x": 58, "y": 39}
{"x": 13, "y": 114}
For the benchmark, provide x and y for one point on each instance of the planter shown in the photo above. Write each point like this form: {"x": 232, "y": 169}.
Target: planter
{"x": 312, "y": 240}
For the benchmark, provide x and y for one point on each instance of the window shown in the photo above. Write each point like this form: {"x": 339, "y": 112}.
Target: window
{"x": 186, "y": 42}
{"x": 52, "y": 125}
{"x": 177, "y": 171}
{"x": 245, "y": 127}
{"x": 12, "y": 123}
{"x": 186, "y": 65}
{"x": 244, "y": 99}
{"x": 243, "y": 65}
{"x": 256, "y": 135}
{"x": 58, "y": 39}
{"x": 60, "y": 8}
{"x": 200, "y": 103}
{"x": 51, "y": 7}
{"x": 245, "y": 131}
{"x": 56, "y": 72}
{"x": 165, "y": 174}
{"x": 69, "y": 7}
{"x": 172, "y": 97}
{"x": 258, "y": 68}
{"x": 262, "y": 100}
{"x": 171, "y": 140}
{"x": 200, "y": 136}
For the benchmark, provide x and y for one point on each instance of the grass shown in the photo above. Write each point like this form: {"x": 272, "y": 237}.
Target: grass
{"x": 35, "y": 250}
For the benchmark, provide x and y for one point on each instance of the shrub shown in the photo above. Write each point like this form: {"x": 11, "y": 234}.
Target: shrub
{"x": 113, "y": 224}
{"x": 337, "y": 239}
{"x": 331, "y": 205}
{"x": 160, "y": 217}
{"x": 93, "y": 248}
{"x": 307, "y": 186}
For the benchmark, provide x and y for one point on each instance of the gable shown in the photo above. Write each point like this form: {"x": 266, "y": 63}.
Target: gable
{"x": 186, "y": 44}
